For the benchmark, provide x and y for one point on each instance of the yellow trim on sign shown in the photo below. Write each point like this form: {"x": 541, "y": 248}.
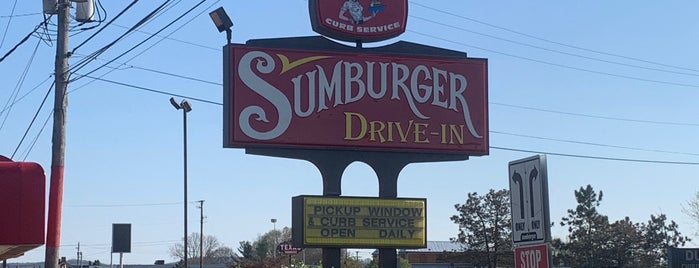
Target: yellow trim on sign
{"x": 286, "y": 65}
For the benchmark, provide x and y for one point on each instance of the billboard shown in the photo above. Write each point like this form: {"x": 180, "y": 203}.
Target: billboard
{"x": 359, "y": 20}
{"x": 121, "y": 237}
{"x": 359, "y": 222}
{"x": 308, "y": 98}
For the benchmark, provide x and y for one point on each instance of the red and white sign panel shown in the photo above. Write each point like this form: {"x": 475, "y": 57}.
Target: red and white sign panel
{"x": 359, "y": 20}
{"x": 536, "y": 256}
{"x": 285, "y": 97}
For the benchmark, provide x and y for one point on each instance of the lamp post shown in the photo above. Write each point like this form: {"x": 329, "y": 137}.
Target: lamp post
{"x": 274, "y": 251}
{"x": 185, "y": 107}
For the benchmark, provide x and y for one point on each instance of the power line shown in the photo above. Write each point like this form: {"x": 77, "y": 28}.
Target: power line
{"x": 126, "y": 205}
{"x": 25, "y": 95}
{"x": 493, "y": 147}
{"x": 175, "y": 75}
{"x": 33, "y": 118}
{"x": 595, "y": 116}
{"x": 551, "y": 41}
{"x": 24, "y": 39}
{"x": 142, "y": 42}
{"x": 558, "y": 65}
{"x": 153, "y": 90}
{"x": 20, "y": 15}
{"x": 174, "y": 39}
{"x": 595, "y": 157}
{"x": 591, "y": 143}
{"x": 106, "y": 25}
{"x": 36, "y": 138}
{"x": 2, "y": 41}
{"x": 553, "y": 50}
{"x": 174, "y": 31}
{"x": 95, "y": 54}
{"x": 18, "y": 87}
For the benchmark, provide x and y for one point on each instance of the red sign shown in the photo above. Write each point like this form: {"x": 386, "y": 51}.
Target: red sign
{"x": 359, "y": 20}
{"x": 535, "y": 256}
{"x": 288, "y": 248}
{"x": 300, "y": 98}
{"x": 22, "y": 202}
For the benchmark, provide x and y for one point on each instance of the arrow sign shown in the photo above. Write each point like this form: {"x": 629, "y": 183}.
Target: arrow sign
{"x": 529, "y": 200}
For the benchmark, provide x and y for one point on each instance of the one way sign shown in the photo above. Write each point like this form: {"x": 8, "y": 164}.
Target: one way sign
{"x": 530, "y": 201}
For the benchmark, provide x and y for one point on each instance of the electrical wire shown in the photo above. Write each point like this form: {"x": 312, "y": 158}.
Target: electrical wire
{"x": 595, "y": 116}
{"x": 152, "y": 90}
{"x": 25, "y": 95}
{"x": 596, "y": 157}
{"x": 36, "y": 138}
{"x": 558, "y": 65}
{"x": 33, "y": 118}
{"x": 12, "y": 13}
{"x": 105, "y": 26}
{"x": 492, "y": 147}
{"x": 551, "y": 41}
{"x": 95, "y": 54}
{"x": 142, "y": 42}
{"x": 126, "y": 205}
{"x": 174, "y": 39}
{"x": 592, "y": 143}
{"x": 553, "y": 50}
{"x": 20, "y": 15}
{"x": 24, "y": 39}
{"x": 174, "y": 31}
{"x": 18, "y": 87}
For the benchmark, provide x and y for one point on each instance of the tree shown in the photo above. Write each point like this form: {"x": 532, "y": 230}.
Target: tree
{"x": 594, "y": 242}
{"x": 214, "y": 251}
{"x": 485, "y": 223}
{"x": 658, "y": 236}
{"x": 586, "y": 229}
{"x": 246, "y": 250}
{"x": 693, "y": 209}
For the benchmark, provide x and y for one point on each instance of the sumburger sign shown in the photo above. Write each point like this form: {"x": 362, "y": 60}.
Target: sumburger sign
{"x": 359, "y": 20}
{"x": 320, "y": 99}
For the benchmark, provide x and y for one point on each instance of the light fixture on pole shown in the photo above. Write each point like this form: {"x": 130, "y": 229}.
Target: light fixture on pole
{"x": 274, "y": 222}
{"x": 185, "y": 107}
{"x": 222, "y": 22}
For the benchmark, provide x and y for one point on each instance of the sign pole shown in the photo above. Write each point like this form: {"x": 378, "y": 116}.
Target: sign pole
{"x": 332, "y": 163}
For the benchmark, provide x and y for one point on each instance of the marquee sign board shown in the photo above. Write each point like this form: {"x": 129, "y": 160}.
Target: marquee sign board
{"x": 359, "y": 222}
{"x": 529, "y": 198}
{"x": 319, "y": 99}
{"x": 359, "y": 20}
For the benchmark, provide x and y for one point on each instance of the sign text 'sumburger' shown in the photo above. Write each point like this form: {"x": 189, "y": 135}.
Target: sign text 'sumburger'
{"x": 311, "y": 98}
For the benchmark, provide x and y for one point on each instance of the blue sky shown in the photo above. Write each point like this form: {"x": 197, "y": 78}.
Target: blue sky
{"x": 596, "y": 79}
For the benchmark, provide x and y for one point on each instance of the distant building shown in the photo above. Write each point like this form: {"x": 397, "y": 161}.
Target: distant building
{"x": 447, "y": 254}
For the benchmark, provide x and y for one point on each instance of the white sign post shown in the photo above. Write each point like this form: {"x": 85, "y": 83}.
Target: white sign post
{"x": 530, "y": 201}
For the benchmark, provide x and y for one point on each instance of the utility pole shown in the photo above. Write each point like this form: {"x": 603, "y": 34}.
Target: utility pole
{"x": 79, "y": 255}
{"x": 53, "y": 230}
{"x": 201, "y": 234}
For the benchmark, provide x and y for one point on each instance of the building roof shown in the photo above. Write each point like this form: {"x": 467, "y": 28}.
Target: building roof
{"x": 437, "y": 246}
{"x": 432, "y": 246}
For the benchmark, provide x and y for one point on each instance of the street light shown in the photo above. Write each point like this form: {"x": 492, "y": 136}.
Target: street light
{"x": 274, "y": 252}
{"x": 222, "y": 22}
{"x": 185, "y": 107}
